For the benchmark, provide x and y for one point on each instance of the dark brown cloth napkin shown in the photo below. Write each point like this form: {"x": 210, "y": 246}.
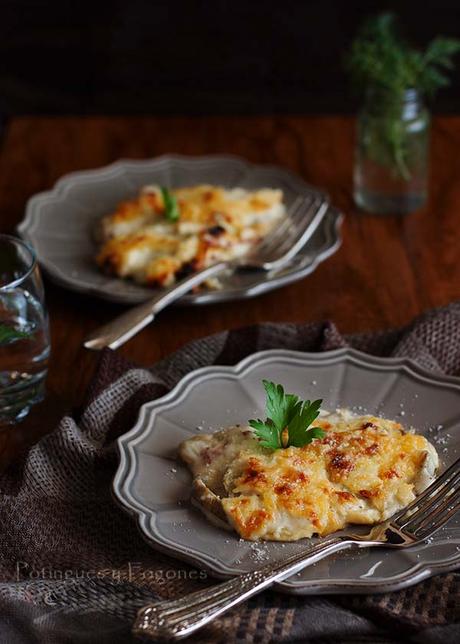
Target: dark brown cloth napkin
{"x": 73, "y": 567}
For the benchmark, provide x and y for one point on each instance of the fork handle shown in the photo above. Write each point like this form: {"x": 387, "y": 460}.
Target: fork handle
{"x": 128, "y": 324}
{"x": 181, "y": 617}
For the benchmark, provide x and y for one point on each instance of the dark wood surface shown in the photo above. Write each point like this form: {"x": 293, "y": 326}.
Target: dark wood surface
{"x": 388, "y": 270}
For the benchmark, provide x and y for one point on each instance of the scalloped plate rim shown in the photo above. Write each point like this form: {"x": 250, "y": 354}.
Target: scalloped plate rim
{"x": 145, "y": 421}
{"x": 33, "y": 212}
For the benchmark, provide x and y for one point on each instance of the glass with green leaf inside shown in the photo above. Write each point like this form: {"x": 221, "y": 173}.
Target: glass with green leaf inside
{"x": 24, "y": 335}
{"x": 392, "y": 142}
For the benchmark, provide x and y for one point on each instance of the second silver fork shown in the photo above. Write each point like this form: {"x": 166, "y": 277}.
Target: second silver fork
{"x": 422, "y": 518}
{"x": 273, "y": 252}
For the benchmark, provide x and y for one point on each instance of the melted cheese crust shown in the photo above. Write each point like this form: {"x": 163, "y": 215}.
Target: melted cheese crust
{"x": 215, "y": 224}
{"x": 363, "y": 471}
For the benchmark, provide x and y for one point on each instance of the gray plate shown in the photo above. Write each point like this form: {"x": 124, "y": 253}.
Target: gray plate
{"x": 155, "y": 488}
{"x": 60, "y": 223}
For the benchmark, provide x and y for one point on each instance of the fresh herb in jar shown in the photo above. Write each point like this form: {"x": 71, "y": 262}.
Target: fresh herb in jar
{"x": 382, "y": 63}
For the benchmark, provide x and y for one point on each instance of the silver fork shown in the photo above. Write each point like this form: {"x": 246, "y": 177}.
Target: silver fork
{"x": 272, "y": 253}
{"x": 424, "y": 516}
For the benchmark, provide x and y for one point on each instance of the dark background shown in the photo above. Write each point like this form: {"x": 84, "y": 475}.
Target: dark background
{"x": 192, "y": 57}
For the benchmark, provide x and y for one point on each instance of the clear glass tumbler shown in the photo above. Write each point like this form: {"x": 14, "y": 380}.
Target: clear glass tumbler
{"x": 24, "y": 333}
{"x": 391, "y": 164}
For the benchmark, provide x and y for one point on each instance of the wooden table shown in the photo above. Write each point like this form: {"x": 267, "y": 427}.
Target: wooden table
{"x": 387, "y": 271}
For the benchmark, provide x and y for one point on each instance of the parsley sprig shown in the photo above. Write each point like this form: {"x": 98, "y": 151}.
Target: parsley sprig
{"x": 288, "y": 419}
{"x": 171, "y": 206}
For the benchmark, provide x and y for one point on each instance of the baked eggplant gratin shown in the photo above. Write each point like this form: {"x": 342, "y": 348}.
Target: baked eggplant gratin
{"x": 163, "y": 235}
{"x": 278, "y": 480}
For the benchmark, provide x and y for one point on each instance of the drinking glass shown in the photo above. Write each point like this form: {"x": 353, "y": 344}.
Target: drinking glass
{"x": 391, "y": 167}
{"x": 24, "y": 333}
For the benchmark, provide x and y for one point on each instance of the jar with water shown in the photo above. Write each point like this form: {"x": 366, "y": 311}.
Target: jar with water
{"x": 24, "y": 334}
{"x": 391, "y": 164}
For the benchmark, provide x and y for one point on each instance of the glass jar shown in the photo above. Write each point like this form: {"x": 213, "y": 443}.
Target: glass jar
{"x": 391, "y": 165}
{"x": 24, "y": 334}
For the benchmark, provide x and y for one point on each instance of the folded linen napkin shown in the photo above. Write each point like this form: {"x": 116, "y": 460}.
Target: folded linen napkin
{"x": 73, "y": 567}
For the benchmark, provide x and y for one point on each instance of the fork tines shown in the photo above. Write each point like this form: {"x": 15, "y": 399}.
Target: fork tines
{"x": 302, "y": 219}
{"x": 278, "y": 233}
{"x": 434, "y": 507}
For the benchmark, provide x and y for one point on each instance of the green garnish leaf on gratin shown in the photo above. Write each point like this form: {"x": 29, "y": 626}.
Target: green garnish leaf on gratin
{"x": 7, "y": 334}
{"x": 171, "y": 206}
{"x": 288, "y": 419}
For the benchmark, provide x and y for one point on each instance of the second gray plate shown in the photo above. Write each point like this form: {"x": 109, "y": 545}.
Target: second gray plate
{"x": 155, "y": 488}
{"x": 60, "y": 223}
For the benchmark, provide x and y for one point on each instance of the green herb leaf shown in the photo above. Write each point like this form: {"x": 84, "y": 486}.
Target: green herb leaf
{"x": 281, "y": 407}
{"x": 7, "y": 334}
{"x": 382, "y": 61}
{"x": 171, "y": 206}
{"x": 298, "y": 433}
{"x": 288, "y": 419}
{"x": 379, "y": 57}
{"x": 267, "y": 433}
